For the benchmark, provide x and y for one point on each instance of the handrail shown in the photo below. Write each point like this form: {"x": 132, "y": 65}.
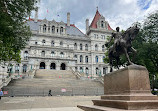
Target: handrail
{"x": 31, "y": 73}
{"x": 77, "y": 74}
{"x": 100, "y": 79}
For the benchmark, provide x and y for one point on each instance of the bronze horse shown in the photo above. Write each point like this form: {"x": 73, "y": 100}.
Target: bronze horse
{"x": 123, "y": 47}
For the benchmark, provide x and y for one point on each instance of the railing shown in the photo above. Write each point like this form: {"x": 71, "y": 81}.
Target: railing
{"x": 31, "y": 73}
{"x": 5, "y": 82}
{"x": 100, "y": 79}
{"x": 77, "y": 74}
{"x": 55, "y": 91}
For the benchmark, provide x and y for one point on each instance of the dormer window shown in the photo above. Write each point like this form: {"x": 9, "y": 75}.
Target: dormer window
{"x": 102, "y": 24}
{"x": 44, "y": 28}
{"x": 53, "y": 29}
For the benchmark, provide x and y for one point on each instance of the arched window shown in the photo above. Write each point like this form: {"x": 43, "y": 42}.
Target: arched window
{"x": 87, "y": 71}
{"x": 25, "y": 55}
{"x": 43, "y": 53}
{"x": 57, "y": 30}
{"x": 10, "y": 68}
{"x": 61, "y": 54}
{"x": 48, "y": 29}
{"x": 63, "y": 66}
{"x": 96, "y": 59}
{"x": 52, "y": 53}
{"x": 24, "y": 68}
{"x": 86, "y": 47}
{"x": 97, "y": 70}
{"x": 61, "y": 43}
{"x": 43, "y": 41}
{"x": 76, "y": 69}
{"x": 75, "y": 56}
{"x": 52, "y": 43}
{"x": 80, "y": 46}
{"x": 36, "y": 43}
{"x": 52, "y": 66}
{"x": 96, "y": 47}
{"x": 81, "y": 58}
{"x": 61, "y": 29}
{"x": 104, "y": 70}
{"x": 86, "y": 59}
{"x": 42, "y": 65}
{"x": 17, "y": 68}
{"x": 81, "y": 70}
{"x": 75, "y": 46}
{"x": 102, "y": 24}
{"x": 53, "y": 29}
{"x": 103, "y": 48}
{"x": 44, "y": 28}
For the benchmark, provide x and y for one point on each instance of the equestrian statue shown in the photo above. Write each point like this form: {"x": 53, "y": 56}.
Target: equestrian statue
{"x": 122, "y": 45}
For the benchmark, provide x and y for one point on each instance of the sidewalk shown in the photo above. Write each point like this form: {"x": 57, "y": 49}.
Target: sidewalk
{"x": 53, "y": 103}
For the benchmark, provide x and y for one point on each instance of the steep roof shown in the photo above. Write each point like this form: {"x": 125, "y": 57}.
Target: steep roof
{"x": 95, "y": 19}
{"x": 70, "y": 30}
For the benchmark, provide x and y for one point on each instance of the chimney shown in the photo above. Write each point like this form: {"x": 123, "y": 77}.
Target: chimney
{"x": 37, "y": 2}
{"x": 87, "y": 25}
{"x": 36, "y": 14}
{"x": 68, "y": 19}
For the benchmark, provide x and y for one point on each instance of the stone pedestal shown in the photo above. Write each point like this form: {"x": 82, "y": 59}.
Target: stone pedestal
{"x": 127, "y": 89}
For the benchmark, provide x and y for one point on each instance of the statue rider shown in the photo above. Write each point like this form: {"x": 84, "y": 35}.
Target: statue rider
{"x": 117, "y": 37}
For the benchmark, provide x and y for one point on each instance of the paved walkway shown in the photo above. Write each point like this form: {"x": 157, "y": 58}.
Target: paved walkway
{"x": 54, "y": 103}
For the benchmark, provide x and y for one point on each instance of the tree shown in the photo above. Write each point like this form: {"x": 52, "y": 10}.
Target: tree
{"x": 14, "y": 33}
{"x": 147, "y": 47}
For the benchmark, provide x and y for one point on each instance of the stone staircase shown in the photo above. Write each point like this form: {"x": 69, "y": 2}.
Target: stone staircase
{"x": 45, "y": 80}
{"x": 46, "y": 73}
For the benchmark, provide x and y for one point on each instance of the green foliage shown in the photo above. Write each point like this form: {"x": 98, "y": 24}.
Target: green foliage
{"x": 14, "y": 34}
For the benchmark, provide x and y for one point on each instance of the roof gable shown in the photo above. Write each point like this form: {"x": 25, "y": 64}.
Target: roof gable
{"x": 95, "y": 19}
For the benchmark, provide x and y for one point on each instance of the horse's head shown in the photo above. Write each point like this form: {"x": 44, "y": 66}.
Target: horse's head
{"x": 131, "y": 33}
{"x": 134, "y": 32}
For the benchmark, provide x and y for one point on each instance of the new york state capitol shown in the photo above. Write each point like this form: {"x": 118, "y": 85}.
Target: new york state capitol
{"x": 62, "y": 46}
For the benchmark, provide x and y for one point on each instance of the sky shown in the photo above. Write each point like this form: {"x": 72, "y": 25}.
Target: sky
{"x": 122, "y": 13}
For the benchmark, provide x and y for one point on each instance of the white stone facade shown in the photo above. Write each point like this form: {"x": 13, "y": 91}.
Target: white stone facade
{"x": 61, "y": 46}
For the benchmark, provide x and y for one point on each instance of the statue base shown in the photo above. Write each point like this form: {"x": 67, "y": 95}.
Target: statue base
{"x": 128, "y": 89}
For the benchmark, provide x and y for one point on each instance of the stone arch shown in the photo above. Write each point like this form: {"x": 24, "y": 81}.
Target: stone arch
{"x": 53, "y": 66}
{"x": 42, "y": 65}
{"x": 24, "y": 68}
{"x": 63, "y": 66}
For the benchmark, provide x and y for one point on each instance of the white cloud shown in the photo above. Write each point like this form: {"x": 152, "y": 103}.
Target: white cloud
{"x": 120, "y": 13}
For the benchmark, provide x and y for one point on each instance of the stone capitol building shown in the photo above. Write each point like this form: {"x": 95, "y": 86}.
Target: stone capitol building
{"x": 62, "y": 46}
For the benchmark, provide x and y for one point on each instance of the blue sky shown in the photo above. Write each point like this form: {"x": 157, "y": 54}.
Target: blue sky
{"x": 120, "y": 13}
